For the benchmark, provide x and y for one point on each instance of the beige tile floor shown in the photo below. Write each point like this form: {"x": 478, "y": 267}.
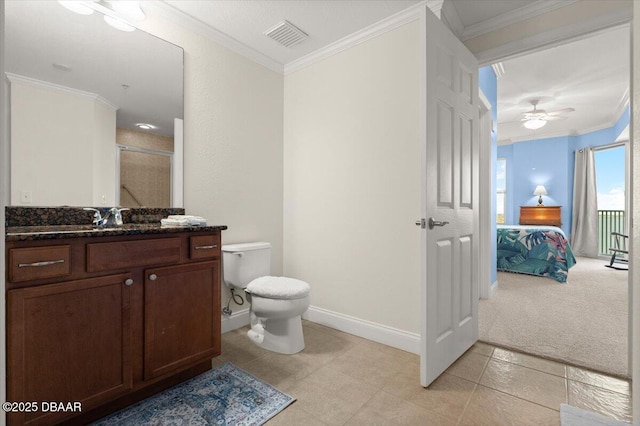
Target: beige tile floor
{"x": 341, "y": 379}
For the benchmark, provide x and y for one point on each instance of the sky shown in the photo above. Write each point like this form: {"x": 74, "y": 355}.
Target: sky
{"x": 610, "y": 179}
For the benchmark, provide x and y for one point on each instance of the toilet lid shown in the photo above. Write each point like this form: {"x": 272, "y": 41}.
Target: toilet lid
{"x": 278, "y": 288}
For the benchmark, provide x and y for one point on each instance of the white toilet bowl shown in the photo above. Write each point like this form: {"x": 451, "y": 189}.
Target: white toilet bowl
{"x": 277, "y": 303}
{"x": 276, "y": 324}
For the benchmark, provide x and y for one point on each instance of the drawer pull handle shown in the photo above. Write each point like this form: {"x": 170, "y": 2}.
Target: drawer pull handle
{"x": 45, "y": 263}
{"x": 206, "y": 247}
{"x": 128, "y": 281}
{"x": 153, "y": 277}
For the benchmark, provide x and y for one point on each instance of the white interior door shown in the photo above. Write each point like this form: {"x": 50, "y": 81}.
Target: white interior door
{"x": 450, "y": 184}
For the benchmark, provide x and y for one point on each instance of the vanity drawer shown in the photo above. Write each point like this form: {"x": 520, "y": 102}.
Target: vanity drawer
{"x": 127, "y": 254}
{"x": 36, "y": 263}
{"x": 204, "y": 246}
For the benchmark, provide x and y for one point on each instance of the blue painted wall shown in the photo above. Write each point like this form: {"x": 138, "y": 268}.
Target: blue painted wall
{"x": 489, "y": 86}
{"x": 549, "y": 162}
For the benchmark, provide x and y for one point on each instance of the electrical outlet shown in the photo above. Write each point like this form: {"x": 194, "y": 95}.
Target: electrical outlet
{"x": 104, "y": 200}
{"x": 26, "y": 197}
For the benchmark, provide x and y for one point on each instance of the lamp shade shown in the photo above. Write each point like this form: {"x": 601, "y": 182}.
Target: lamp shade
{"x": 540, "y": 190}
{"x": 534, "y": 124}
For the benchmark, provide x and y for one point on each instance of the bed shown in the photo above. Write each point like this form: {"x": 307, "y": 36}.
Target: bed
{"x": 535, "y": 250}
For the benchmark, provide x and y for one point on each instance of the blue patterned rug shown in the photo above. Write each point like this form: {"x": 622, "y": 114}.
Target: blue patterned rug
{"x": 225, "y": 396}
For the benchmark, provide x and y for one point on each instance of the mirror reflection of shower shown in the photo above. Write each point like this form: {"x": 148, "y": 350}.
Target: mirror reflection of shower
{"x": 145, "y": 164}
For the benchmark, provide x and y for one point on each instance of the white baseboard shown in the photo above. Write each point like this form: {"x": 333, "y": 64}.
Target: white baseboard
{"x": 493, "y": 288}
{"x": 389, "y": 336}
{"x": 236, "y": 320}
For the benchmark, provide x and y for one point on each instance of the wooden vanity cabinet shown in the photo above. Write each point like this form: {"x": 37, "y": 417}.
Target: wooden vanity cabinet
{"x": 181, "y": 316}
{"x": 104, "y": 335}
{"x": 69, "y": 342}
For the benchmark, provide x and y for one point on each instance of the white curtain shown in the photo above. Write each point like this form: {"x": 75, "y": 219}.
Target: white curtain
{"x": 584, "y": 227}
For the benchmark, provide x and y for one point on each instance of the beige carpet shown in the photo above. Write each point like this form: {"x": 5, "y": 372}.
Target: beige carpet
{"x": 583, "y": 322}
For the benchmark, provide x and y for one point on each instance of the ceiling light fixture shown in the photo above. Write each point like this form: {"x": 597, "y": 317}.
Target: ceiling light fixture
{"x": 535, "y": 123}
{"x": 145, "y": 126}
{"x": 77, "y": 6}
{"x": 129, "y": 10}
{"x": 117, "y": 13}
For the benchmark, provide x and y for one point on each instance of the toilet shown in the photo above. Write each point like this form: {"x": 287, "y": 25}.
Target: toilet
{"x": 277, "y": 303}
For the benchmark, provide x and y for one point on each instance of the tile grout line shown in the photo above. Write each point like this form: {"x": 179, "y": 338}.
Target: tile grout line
{"x": 466, "y": 405}
{"x": 362, "y": 406}
{"x": 475, "y": 387}
{"x": 520, "y": 398}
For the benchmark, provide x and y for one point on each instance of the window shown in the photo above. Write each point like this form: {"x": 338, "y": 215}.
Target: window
{"x": 501, "y": 190}
{"x": 611, "y": 190}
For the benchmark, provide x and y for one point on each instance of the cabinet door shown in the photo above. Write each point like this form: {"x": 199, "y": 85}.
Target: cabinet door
{"x": 69, "y": 342}
{"x": 182, "y": 316}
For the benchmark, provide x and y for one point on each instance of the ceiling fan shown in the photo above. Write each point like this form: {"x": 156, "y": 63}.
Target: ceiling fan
{"x": 537, "y": 118}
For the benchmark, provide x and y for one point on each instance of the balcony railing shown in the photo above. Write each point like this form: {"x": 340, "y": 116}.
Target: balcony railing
{"x": 609, "y": 221}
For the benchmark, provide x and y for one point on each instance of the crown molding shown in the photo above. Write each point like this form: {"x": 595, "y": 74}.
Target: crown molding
{"x": 450, "y": 16}
{"x": 16, "y": 78}
{"x": 392, "y": 22}
{"x": 529, "y": 11}
{"x": 199, "y": 27}
{"x": 498, "y": 69}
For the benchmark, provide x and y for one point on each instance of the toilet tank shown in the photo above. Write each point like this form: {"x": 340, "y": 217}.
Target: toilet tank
{"x": 242, "y": 263}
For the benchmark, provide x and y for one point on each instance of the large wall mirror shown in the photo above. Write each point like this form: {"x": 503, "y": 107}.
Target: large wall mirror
{"x": 96, "y": 113}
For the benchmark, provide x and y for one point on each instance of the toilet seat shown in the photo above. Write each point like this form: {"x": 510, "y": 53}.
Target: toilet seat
{"x": 278, "y": 288}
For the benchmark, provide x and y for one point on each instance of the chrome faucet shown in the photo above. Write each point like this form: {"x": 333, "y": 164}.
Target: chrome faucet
{"x": 112, "y": 218}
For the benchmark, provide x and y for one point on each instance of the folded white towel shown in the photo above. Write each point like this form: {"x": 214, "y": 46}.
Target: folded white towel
{"x": 183, "y": 220}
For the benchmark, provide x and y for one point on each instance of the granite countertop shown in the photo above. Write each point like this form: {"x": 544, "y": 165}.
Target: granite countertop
{"x": 29, "y": 233}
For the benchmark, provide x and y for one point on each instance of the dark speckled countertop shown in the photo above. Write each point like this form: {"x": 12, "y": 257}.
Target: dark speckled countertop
{"x": 49, "y": 223}
{"x": 27, "y": 233}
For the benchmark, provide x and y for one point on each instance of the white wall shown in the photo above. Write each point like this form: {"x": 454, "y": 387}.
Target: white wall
{"x": 104, "y": 156}
{"x": 44, "y": 138}
{"x": 352, "y": 180}
{"x": 51, "y": 127}
{"x": 233, "y": 160}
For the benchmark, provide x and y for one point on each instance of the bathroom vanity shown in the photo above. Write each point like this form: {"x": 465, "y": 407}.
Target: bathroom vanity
{"x": 106, "y": 317}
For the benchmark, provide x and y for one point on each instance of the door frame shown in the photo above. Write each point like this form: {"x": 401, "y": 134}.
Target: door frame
{"x": 120, "y": 148}
{"x": 485, "y": 175}
{"x": 634, "y": 206}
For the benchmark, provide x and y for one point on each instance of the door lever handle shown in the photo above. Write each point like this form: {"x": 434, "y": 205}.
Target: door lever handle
{"x": 433, "y": 223}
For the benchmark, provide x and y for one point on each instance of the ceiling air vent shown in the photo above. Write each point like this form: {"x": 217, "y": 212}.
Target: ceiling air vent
{"x": 286, "y": 34}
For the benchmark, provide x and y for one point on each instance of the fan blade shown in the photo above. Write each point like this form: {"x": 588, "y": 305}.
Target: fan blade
{"x": 561, "y": 111}
{"x": 555, "y": 117}
{"x": 531, "y": 116}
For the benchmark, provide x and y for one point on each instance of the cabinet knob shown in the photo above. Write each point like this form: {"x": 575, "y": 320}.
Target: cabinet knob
{"x": 153, "y": 277}
{"x": 128, "y": 281}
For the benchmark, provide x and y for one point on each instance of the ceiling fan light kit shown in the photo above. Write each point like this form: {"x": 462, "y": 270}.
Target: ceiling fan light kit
{"x": 534, "y": 123}
{"x": 537, "y": 118}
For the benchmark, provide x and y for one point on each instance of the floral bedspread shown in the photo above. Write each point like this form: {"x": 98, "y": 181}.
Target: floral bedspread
{"x": 532, "y": 250}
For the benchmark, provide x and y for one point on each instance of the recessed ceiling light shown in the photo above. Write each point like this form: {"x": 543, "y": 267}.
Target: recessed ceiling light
{"x": 145, "y": 126}
{"x": 62, "y": 67}
{"x": 76, "y": 6}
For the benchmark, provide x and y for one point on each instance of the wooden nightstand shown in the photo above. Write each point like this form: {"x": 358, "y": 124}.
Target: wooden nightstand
{"x": 545, "y": 215}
